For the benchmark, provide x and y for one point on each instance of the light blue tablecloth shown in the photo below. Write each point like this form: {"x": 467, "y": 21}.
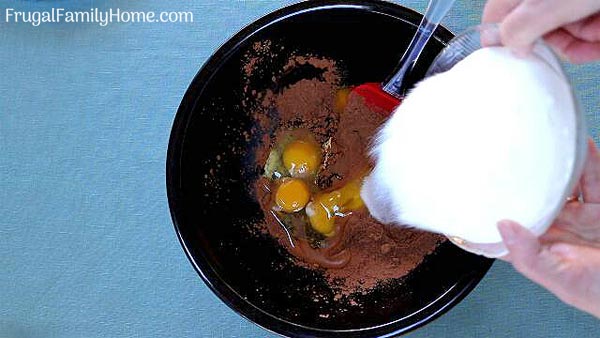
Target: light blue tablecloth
{"x": 87, "y": 248}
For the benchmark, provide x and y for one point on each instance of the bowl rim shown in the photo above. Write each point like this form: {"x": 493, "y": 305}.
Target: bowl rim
{"x": 210, "y": 277}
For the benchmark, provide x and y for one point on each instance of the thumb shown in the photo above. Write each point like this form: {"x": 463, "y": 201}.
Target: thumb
{"x": 527, "y": 254}
{"x": 569, "y": 271}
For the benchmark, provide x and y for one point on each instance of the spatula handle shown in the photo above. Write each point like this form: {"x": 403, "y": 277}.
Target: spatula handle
{"x": 437, "y": 10}
{"x": 402, "y": 80}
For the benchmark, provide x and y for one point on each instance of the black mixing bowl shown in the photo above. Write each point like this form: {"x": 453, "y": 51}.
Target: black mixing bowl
{"x": 210, "y": 165}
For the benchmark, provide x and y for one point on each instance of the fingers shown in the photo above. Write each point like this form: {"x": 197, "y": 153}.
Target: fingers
{"x": 534, "y": 261}
{"x": 557, "y": 234}
{"x": 576, "y": 253}
{"x": 569, "y": 271}
{"x": 582, "y": 220}
{"x": 532, "y": 19}
{"x": 582, "y": 52}
{"x": 577, "y": 214}
{"x": 590, "y": 180}
{"x": 496, "y": 10}
{"x": 578, "y": 283}
{"x": 523, "y": 246}
{"x": 571, "y": 48}
{"x": 528, "y": 256}
{"x": 587, "y": 29}
{"x": 559, "y": 40}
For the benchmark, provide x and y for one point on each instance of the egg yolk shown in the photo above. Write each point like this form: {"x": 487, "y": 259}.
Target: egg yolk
{"x": 325, "y": 207}
{"x": 341, "y": 100}
{"x": 350, "y": 195}
{"x": 321, "y": 217}
{"x": 301, "y": 158}
{"x": 292, "y": 195}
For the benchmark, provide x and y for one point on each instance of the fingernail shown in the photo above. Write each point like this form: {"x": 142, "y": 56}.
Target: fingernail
{"x": 507, "y": 231}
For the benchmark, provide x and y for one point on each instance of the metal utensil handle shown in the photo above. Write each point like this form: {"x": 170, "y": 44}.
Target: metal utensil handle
{"x": 436, "y": 11}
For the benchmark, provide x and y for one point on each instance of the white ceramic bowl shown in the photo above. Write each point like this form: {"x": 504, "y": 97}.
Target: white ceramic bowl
{"x": 482, "y": 36}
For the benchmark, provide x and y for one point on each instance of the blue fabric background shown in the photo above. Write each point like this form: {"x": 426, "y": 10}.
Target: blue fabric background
{"x": 87, "y": 248}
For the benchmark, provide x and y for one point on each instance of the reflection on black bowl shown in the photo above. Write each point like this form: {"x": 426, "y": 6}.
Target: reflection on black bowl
{"x": 214, "y": 210}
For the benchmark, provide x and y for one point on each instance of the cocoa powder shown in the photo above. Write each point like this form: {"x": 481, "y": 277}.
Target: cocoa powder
{"x": 363, "y": 253}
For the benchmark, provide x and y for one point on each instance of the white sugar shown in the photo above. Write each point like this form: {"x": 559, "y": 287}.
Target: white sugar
{"x": 491, "y": 139}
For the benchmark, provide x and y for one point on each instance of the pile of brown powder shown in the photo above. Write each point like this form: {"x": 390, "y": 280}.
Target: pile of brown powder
{"x": 373, "y": 253}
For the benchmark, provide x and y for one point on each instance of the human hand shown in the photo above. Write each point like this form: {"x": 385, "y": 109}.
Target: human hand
{"x": 572, "y": 28}
{"x": 566, "y": 259}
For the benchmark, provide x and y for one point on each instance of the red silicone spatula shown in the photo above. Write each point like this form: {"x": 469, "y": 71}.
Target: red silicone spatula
{"x": 388, "y": 95}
